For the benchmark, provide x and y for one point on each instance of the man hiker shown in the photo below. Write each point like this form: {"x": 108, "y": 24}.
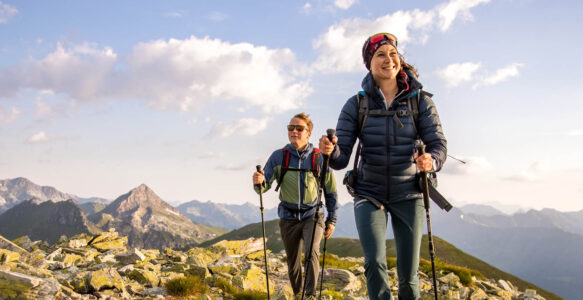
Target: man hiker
{"x": 296, "y": 168}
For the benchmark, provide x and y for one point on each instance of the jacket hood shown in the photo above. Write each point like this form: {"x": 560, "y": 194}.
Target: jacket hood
{"x": 406, "y": 77}
{"x": 303, "y": 155}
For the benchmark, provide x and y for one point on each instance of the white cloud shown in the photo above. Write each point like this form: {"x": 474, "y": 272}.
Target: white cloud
{"x": 472, "y": 166}
{"x": 340, "y": 46}
{"x": 42, "y": 108}
{"x": 218, "y": 16}
{"x": 7, "y": 12}
{"x": 450, "y": 11}
{"x": 174, "y": 14}
{"x": 500, "y": 75}
{"x": 175, "y": 74}
{"x": 344, "y": 4}
{"x": 246, "y": 127}
{"x": 531, "y": 174}
{"x": 211, "y": 155}
{"x": 455, "y": 74}
{"x": 38, "y": 137}
{"x": 10, "y": 115}
{"x": 81, "y": 72}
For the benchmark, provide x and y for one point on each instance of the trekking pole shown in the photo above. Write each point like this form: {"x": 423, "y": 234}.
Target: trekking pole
{"x": 263, "y": 227}
{"x": 330, "y": 133}
{"x": 425, "y": 189}
{"x": 323, "y": 265}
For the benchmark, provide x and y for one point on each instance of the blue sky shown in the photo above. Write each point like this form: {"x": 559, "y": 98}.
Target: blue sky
{"x": 188, "y": 96}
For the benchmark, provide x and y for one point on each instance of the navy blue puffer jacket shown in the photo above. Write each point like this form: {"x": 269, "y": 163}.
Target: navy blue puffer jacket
{"x": 386, "y": 170}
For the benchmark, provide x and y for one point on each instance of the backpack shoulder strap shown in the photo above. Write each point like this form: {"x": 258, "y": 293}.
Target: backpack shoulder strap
{"x": 284, "y": 167}
{"x": 316, "y": 162}
{"x": 363, "y": 110}
{"x": 362, "y": 101}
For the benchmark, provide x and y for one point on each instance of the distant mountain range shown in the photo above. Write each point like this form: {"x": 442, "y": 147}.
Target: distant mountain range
{"x": 14, "y": 191}
{"x": 227, "y": 216}
{"x": 142, "y": 216}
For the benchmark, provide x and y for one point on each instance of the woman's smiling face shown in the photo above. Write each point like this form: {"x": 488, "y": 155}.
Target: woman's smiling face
{"x": 385, "y": 63}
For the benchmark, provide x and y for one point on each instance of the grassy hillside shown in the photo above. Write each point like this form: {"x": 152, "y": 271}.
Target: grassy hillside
{"x": 344, "y": 247}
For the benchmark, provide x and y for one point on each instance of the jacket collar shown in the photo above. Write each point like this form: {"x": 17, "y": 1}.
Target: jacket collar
{"x": 407, "y": 77}
{"x": 303, "y": 155}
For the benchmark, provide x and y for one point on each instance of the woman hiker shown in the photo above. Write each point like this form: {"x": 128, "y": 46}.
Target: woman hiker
{"x": 386, "y": 178}
{"x": 294, "y": 168}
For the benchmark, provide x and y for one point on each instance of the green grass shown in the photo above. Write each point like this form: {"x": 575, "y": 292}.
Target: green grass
{"x": 186, "y": 286}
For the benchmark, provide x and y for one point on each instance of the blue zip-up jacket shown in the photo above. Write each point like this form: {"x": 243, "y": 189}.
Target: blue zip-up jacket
{"x": 298, "y": 192}
{"x": 386, "y": 170}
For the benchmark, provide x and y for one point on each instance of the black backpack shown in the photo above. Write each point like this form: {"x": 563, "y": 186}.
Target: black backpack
{"x": 285, "y": 165}
{"x": 363, "y": 112}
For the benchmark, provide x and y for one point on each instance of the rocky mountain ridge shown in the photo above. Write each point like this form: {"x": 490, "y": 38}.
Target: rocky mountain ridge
{"x": 46, "y": 220}
{"x": 149, "y": 222}
{"x": 16, "y": 190}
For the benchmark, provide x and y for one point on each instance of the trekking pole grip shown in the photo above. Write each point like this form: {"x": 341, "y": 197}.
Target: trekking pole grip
{"x": 330, "y": 132}
{"x": 258, "y": 167}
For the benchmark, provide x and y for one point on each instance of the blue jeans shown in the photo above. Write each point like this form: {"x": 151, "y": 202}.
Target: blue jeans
{"x": 407, "y": 220}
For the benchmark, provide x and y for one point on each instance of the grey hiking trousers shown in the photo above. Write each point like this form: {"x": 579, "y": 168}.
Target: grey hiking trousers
{"x": 407, "y": 220}
{"x": 294, "y": 234}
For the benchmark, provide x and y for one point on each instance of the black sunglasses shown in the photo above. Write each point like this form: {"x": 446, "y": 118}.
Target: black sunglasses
{"x": 299, "y": 128}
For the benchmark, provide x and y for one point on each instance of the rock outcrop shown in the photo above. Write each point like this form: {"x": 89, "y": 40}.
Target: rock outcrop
{"x": 103, "y": 266}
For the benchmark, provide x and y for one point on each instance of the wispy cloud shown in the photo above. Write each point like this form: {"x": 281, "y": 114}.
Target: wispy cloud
{"x": 10, "y": 115}
{"x": 38, "y": 137}
{"x": 211, "y": 155}
{"x": 456, "y": 74}
{"x": 337, "y": 44}
{"x": 246, "y": 127}
{"x": 449, "y": 12}
{"x": 531, "y": 174}
{"x": 217, "y": 16}
{"x": 175, "y": 14}
{"x": 7, "y": 12}
{"x": 500, "y": 75}
{"x": 473, "y": 166}
{"x": 173, "y": 74}
{"x": 344, "y": 4}
{"x": 459, "y": 73}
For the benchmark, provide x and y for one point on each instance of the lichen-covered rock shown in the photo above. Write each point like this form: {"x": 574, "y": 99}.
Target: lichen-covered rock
{"x": 145, "y": 277}
{"x": 238, "y": 247}
{"x": 7, "y": 256}
{"x": 107, "y": 278}
{"x": 450, "y": 279}
{"x": 175, "y": 256}
{"x": 478, "y": 294}
{"x": 340, "y": 280}
{"x": 252, "y": 278}
{"x": 130, "y": 257}
{"x": 283, "y": 293}
{"x": 201, "y": 256}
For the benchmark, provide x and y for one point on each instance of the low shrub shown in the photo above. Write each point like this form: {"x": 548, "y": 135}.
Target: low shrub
{"x": 228, "y": 288}
{"x": 186, "y": 286}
